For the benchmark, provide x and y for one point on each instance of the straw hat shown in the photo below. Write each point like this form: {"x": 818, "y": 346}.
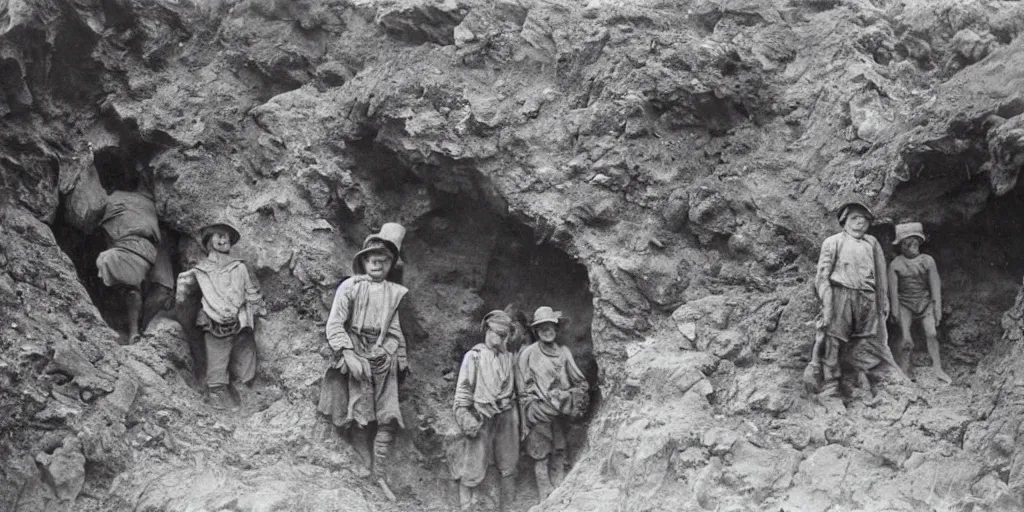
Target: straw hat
{"x": 545, "y": 314}
{"x": 907, "y": 230}
{"x": 207, "y": 231}
{"x": 389, "y": 238}
{"x": 844, "y": 211}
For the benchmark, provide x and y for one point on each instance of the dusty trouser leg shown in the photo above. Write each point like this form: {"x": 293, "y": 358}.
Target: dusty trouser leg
{"x": 540, "y": 470}
{"x": 928, "y": 322}
{"x": 133, "y": 308}
{"x": 903, "y": 348}
{"x": 359, "y": 437}
{"x": 467, "y": 496}
{"x": 218, "y": 356}
{"x": 382, "y": 447}
{"x": 506, "y": 454}
{"x": 830, "y": 366}
{"x": 243, "y": 357}
{"x": 558, "y": 447}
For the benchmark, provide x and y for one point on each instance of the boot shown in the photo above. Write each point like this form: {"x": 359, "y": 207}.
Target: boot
{"x": 381, "y": 448}
{"x": 219, "y": 398}
{"x": 508, "y": 493}
{"x": 540, "y": 469}
{"x": 557, "y": 469}
{"x": 467, "y": 498}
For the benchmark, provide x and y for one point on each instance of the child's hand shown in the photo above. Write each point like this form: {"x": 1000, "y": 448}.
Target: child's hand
{"x": 938, "y": 313}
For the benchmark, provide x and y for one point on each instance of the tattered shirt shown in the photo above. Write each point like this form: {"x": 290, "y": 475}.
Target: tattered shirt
{"x": 541, "y": 373}
{"x": 486, "y": 381}
{"x": 363, "y": 307}
{"x": 229, "y": 293}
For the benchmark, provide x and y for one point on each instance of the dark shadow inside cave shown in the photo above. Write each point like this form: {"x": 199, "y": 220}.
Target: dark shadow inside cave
{"x": 117, "y": 170}
{"x": 980, "y": 258}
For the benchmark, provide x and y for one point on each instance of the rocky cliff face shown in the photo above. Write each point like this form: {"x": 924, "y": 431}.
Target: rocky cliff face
{"x": 662, "y": 171}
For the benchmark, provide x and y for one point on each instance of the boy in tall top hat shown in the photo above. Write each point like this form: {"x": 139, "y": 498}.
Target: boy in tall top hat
{"x": 364, "y": 332}
{"x": 553, "y": 389}
{"x": 231, "y": 301}
{"x": 915, "y": 292}
{"x": 851, "y": 284}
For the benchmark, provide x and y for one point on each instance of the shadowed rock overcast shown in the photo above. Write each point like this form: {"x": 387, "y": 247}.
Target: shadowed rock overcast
{"x": 662, "y": 171}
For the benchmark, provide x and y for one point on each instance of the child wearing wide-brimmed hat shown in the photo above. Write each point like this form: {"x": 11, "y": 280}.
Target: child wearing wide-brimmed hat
{"x": 231, "y": 301}
{"x": 554, "y": 389}
{"x": 915, "y": 292}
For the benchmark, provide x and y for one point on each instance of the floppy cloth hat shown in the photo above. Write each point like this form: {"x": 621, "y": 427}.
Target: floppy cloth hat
{"x": 389, "y": 238}
{"x": 498, "y": 317}
{"x": 207, "y": 231}
{"x": 544, "y": 314}
{"x": 909, "y": 229}
{"x": 846, "y": 208}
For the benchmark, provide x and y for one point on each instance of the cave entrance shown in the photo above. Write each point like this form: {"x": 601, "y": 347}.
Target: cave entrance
{"x": 980, "y": 258}
{"x": 464, "y": 256}
{"x": 118, "y": 170}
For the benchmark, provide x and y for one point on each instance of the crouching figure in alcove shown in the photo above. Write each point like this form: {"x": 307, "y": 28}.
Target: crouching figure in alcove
{"x": 915, "y": 292}
{"x": 487, "y": 413}
{"x": 553, "y": 390}
{"x": 365, "y": 336}
{"x": 135, "y": 254}
{"x": 851, "y": 283}
{"x": 231, "y": 301}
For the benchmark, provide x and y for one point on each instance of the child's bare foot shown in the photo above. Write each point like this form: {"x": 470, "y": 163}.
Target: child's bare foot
{"x": 943, "y": 376}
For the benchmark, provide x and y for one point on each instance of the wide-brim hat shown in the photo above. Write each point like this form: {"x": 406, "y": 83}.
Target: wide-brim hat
{"x": 545, "y": 315}
{"x": 907, "y": 230}
{"x": 844, "y": 210}
{"x": 207, "y": 231}
{"x": 388, "y": 238}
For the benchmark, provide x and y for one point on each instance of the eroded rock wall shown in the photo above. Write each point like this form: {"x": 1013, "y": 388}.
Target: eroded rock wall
{"x": 685, "y": 154}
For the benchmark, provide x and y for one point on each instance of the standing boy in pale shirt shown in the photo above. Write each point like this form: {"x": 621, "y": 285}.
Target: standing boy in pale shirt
{"x": 915, "y": 291}
{"x": 553, "y": 390}
{"x": 851, "y": 284}
{"x": 487, "y": 412}
{"x": 231, "y": 300}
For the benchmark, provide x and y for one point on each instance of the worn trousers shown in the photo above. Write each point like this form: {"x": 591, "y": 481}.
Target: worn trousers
{"x": 497, "y": 443}
{"x": 235, "y": 353}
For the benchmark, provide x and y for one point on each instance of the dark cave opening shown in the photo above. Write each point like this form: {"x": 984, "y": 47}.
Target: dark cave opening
{"x": 465, "y": 255}
{"x": 980, "y": 256}
{"x": 122, "y": 170}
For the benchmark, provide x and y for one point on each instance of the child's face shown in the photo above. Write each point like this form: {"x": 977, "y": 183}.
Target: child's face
{"x": 220, "y": 241}
{"x": 497, "y": 336}
{"x": 377, "y": 265}
{"x": 910, "y": 246}
{"x": 857, "y": 223}
{"x": 547, "y": 332}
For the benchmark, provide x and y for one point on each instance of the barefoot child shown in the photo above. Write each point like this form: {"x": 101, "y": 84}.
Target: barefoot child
{"x": 915, "y": 291}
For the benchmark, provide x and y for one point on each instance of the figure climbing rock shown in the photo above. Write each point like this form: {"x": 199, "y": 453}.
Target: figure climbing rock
{"x": 851, "y": 284}
{"x": 231, "y": 301}
{"x": 915, "y": 291}
{"x": 133, "y": 255}
{"x": 360, "y": 388}
{"x": 553, "y": 390}
{"x": 487, "y": 412}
